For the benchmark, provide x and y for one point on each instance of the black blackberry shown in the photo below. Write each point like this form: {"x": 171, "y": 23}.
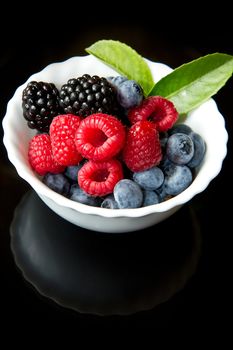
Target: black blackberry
{"x": 87, "y": 95}
{"x": 40, "y": 105}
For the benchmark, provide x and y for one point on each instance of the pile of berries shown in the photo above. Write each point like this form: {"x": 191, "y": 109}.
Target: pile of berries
{"x": 101, "y": 143}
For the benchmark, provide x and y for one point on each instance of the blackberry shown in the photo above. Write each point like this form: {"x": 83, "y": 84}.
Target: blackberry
{"x": 40, "y": 105}
{"x": 87, "y": 95}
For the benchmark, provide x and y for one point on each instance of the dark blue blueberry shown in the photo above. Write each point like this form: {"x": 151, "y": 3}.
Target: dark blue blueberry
{"x": 150, "y": 198}
{"x": 58, "y": 183}
{"x": 78, "y": 195}
{"x": 177, "y": 179}
{"x": 199, "y": 150}
{"x": 164, "y": 162}
{"x": 180, "y": 128}
{"x": 180, "y": 148}
{"x": 72, "y": 171}
{"x": 129, "y": 94}
{"x": 109, "y": 202}
{"x": 149, "y": 179}
{"x": 163, "y": 137}
{"x": 163, "y": 196}
{"x": 128, "y": 194}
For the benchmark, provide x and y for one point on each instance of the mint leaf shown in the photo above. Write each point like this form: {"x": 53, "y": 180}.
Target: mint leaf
{"x": 124, "y": 60}
{"x": 195, "y": 82}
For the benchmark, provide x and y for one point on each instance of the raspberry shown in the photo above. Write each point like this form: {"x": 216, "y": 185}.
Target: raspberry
{"x": 62, "y": 133}
{"x": 40, "y": 155}
{"x": 100, "y": 137}
{"x": 99, "y": 178}
{"x": 142, "y": 149}
{"x": 157, "y": 109}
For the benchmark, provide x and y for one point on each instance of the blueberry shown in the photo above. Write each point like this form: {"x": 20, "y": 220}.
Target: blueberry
{"x": 109, "y": 202}
{"x": 72, "y": 171}
{"x": 177, "y": 179}
{"x": 150, "y": 179}
{"x": 180, "y": 148}
{"x": 150, "y": 198}
{"x": 183, "y": 128}
{"x": 128, "y": 194}
{"x": 163, "y": 137}
{"x": 199, "y": 150}
{"x": 164, "y": 162}
{"x": 110, "y": 79}
{"x": 117, "y": 81}
{"x": 57, "y": 182}
{"x": 129, "y": 94}
{"x": 161, "y": 192}
{"x": 78, "y": 195}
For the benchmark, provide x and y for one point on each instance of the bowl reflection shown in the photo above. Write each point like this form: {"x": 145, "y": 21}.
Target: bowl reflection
{"x": 101, "y": 273}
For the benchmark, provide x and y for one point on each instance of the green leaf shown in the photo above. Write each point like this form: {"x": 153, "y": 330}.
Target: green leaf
{"x": 124, "y": 60}
{"x": 195, "y": 82}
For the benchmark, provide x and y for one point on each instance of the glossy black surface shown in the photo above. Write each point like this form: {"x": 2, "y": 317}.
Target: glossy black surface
{"x": 103, "y": 273}
{"x": 206, "y": 297}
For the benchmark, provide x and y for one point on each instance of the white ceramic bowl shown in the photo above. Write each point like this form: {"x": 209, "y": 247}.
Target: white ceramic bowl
{"x": 205, "y": 120}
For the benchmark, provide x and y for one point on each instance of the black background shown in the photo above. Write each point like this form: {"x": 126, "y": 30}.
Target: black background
{"x": 37, "y": 38}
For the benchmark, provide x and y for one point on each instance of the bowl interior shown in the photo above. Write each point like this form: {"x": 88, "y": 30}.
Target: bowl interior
{"x": 205, "y": 120}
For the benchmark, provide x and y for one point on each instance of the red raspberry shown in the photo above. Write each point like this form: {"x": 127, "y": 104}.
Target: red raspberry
{"x": 142, "y": 149}
{"x": 40, "y": 155}
{"x": 99, "y": 178}
{"x": 62, "y": 133}
{"x": 157, "y": 109}
{"x": 100, "y": 137}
